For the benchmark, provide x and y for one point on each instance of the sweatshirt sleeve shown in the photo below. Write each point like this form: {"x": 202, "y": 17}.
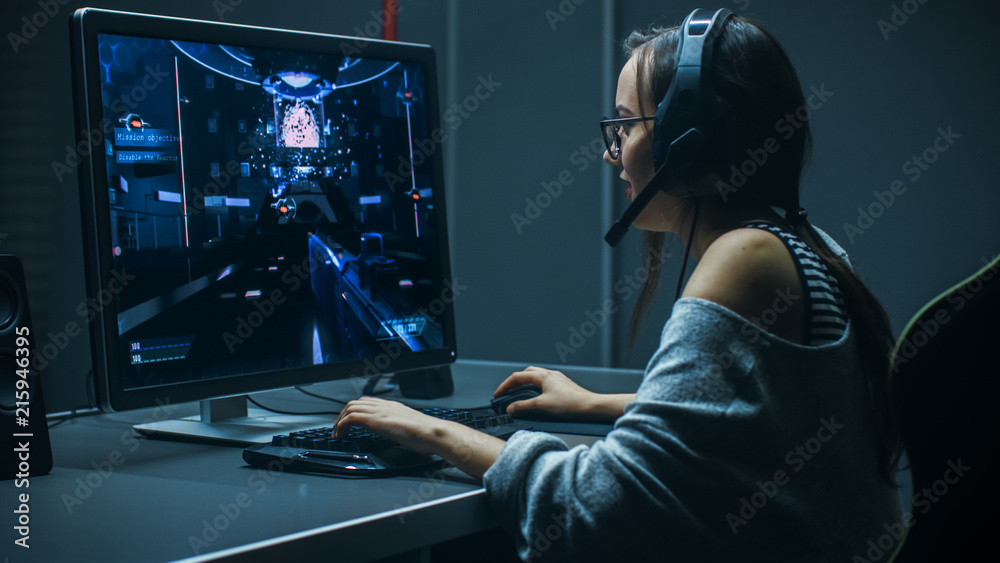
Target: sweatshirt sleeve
{"x": 654, "y": 486}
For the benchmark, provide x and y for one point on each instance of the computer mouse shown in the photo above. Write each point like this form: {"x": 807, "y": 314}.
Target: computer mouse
{"x": 500, "y": 403}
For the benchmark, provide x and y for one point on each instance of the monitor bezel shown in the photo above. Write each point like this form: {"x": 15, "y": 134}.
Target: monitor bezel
{"x": 86, "y": 25}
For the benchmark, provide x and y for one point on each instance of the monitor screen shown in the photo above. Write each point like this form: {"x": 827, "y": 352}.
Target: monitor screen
{"x": 262, "y": 208}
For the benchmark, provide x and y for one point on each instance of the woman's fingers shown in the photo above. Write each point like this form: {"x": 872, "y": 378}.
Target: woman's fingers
{"x": 354, "y": 413}
{"x": 530, "y": 375}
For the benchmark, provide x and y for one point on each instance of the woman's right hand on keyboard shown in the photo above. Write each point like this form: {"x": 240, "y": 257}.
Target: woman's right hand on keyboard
{"x": 466, "y": 448}
{"x": 561, "y": 396}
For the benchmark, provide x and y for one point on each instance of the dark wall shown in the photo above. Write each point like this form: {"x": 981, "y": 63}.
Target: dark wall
{"x": 527, "y": 237}
{"x": 533, "y": 281}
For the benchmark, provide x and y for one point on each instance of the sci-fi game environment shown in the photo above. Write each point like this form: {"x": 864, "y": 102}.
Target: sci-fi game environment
{"x": 268, "y": 209}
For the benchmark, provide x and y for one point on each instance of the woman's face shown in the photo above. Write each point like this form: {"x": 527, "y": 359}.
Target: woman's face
{"x": 636, "y": 158}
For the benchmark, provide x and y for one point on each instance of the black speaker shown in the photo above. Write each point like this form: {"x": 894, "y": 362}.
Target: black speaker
{"x": 24, "y": 433}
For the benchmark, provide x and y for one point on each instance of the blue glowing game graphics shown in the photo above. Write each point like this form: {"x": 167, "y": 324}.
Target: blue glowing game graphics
{"x": 268, "y": 209}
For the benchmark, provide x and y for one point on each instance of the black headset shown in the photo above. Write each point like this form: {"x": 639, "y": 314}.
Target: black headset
{"x": 691, "y": 133}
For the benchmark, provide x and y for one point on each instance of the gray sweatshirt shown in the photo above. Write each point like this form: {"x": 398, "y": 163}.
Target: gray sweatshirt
{"x": 739, "y": 446}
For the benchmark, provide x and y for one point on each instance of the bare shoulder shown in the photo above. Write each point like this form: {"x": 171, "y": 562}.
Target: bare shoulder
{"x": 751, "y": 272}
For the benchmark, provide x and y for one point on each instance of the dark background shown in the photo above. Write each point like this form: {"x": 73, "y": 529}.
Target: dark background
{"x": 523, "y": 288}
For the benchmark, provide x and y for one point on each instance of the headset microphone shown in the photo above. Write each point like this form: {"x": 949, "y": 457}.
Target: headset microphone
{"x": 680, "y": 151}
{"x": 618, "y": 230}
{"x": 691, "y": 126}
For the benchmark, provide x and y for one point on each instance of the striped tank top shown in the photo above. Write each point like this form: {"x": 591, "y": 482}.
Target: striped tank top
{"x": 826, "y": 317}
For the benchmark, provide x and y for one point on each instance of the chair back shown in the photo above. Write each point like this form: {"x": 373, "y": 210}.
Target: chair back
{"x": 945, "y": 383}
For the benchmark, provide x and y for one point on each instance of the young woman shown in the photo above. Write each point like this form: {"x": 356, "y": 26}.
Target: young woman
{"x": 760, "y": 431}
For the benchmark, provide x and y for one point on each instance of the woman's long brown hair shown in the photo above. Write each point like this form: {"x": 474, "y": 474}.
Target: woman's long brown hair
{"x": 754, "y": 75}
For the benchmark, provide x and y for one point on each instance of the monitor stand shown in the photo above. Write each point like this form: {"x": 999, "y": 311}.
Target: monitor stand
{"x": 229, "y": 421}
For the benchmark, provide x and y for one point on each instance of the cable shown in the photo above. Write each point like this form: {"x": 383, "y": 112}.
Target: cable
{"x": 88, "y": 387}
{"x": 318, "y": 396}
{"x": 62, "y": 420}
{"x": 61, "y": 417}
{"x": 687, "y": 250}
{"x": 278, "y": 411}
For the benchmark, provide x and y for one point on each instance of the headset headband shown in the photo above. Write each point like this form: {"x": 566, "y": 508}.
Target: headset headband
{"x": 690, "y": 130}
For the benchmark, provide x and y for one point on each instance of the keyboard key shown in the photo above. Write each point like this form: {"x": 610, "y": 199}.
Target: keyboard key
{"x": 361, "y": 452}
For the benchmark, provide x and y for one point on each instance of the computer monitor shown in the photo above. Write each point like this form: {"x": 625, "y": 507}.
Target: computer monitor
{"x": 262, "y": 209}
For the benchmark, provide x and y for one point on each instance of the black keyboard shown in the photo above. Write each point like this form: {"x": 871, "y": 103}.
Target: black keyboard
{"x": 364, "y": 454}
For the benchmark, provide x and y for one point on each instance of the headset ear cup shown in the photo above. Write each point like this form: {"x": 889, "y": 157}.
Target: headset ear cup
{"x": 685, "y": 130}
{"x": 720, "y": 145}
{"x": 659, "y": 148}
{"x": 691, "y": 103}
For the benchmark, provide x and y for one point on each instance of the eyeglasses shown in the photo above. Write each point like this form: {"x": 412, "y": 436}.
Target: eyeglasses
{"x": 610, "y": 128}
